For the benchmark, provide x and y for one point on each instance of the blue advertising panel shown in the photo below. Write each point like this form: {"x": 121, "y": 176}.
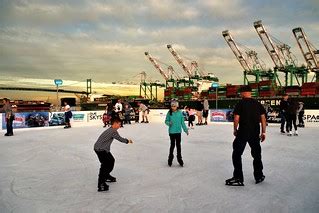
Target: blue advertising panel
{"x": 28, "y": 119}
{"x": 57, "y": 119}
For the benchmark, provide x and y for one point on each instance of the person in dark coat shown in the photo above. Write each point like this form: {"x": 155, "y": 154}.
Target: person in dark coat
{"x": 248, "y": 114}
{"x": 283, "y": 113}
{"x": 292, "y": 117}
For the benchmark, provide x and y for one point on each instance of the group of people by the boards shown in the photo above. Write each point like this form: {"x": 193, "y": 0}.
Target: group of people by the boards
{"x": 125, "y": 113}
{"x": 290, "y": 111}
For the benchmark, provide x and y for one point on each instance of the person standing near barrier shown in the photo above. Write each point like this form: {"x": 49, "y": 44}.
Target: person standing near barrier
{"x": 67, "y": 115}
{"x": 292, "y": 117}
{"x": 248, "y": 115}
{"x": 301, "y": 112}
{"x": 142, "y": 108}
{"x": 205, "y": 110}
{"x": 119, "y": 109}
{"x": 9, "y": 116}
{"x": 199, "y": 108}
{"x": 283, "y": 113}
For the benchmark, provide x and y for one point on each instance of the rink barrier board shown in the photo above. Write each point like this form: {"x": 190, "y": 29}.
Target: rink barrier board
{"x": 81, "y": 118}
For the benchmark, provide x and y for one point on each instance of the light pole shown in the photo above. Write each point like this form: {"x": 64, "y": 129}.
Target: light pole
{"x": 57, "y": 82}
{"x": 216, "y": 85}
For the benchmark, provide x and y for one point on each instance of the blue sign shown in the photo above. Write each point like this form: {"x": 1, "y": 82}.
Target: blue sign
{"x": 215, "y": 85}
{"x": 58, "y": 82}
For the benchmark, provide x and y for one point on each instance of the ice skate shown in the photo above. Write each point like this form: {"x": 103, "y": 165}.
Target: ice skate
{"x": 170, "y": 160}
{"x": 289, "y": 133}
{"x": 296, "y": 133}
{"x": 234, "y": 182}
{"x": 282, "y": 132}
{"x": 102, "y": 187}
{"x": 111, "y": 179}
{"x": 180, "y": 161}
{"x": 261, "y": 179}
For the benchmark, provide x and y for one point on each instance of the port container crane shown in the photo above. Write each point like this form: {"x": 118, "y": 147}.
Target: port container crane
{"x": 281, "y": 56}
{"x": 167, "y": 75}
{"x": 309, "y": 52}
{"x": 249, "y": 61}
{"x": 193, "y": 70}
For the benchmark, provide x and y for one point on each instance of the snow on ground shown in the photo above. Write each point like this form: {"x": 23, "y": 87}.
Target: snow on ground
{"x": 55, "y": 170}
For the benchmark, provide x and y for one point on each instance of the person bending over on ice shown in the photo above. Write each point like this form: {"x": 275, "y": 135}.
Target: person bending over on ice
{"x": 248, "y": 113}
{"x": 142, "y": 108}
{"x": 175, "y": 122}
{"x": 102, "y": 148}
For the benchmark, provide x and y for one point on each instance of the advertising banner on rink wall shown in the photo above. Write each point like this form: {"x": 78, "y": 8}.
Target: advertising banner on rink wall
{"x": 28, "y": 120}
{"x": 221, "y": 115}
{"x": 81, "y": 118}
{"x": 311, "y": 118}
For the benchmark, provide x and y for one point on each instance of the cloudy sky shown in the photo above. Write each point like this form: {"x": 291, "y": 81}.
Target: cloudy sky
{"x": 106, "y": 40}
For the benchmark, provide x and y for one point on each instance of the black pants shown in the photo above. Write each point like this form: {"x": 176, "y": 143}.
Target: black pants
{"x": 239, "y": 145}
{"x": 9, "y": 125}
{"x": 107, "y": 164}
{"x": 127, "y": 119}
{"x": 175, "y": 140}
{"x": 292, "y": 119}
{"x": 191, "y": 118}
{"x": 283, "y": 121}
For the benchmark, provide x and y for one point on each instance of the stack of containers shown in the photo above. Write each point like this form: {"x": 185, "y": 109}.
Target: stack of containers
{"x": 292, "y": 90}
{"x": 187, "y": 93}
{"x": 212, "y": 93}
{"x": 267, "y": 89}
{"x": 169, "y": 93}
{"x": 180, "y": 93}
{"x": 204, "y": 94}
{"x": 222, "y": 90}
{"x": 308, "y": 89}
{"x": 254, "y": 89}
{"x": 232, "y": 91}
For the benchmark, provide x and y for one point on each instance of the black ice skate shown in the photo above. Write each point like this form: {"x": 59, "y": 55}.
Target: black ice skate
{"x": 259, "y": 180}
{"x": 234, "y": 182}
{"x": 103, "y": 187}
{"x": 110, "y": 178}
{"x": 170, "y": 160}
{"x": 282, "y": 132}
{"x": 180, "y": 161}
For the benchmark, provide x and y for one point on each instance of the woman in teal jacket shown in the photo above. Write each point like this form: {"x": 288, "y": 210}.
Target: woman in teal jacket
{"x": 175, "y": 122}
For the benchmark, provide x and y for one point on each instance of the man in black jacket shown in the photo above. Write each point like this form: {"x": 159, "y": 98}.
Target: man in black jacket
{"x": 248, "y": 114}
{"x": 283, "y": 113}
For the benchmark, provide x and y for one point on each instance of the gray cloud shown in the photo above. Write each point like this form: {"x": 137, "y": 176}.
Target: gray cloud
{"x": 105, "y": 40}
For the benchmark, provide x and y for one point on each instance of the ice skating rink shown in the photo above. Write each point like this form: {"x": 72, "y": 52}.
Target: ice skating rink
{"x": 55, "y": 170}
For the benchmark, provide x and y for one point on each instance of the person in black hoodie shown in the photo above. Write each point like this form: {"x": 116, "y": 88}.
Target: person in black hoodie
{"x": 292, "y": 117}
{"x": 283, "y": 113}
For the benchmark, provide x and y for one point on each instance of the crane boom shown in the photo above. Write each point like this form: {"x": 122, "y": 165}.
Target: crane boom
{"x": 239, "y": 55}
{"x": 310, "y": 53}
{"x": 179, "y": 60}
{"x": 158, "y": 67}
{"x": 275, "y": 54}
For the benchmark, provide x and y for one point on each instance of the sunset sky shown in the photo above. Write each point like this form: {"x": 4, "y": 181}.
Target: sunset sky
{"x": 106, "y": 40}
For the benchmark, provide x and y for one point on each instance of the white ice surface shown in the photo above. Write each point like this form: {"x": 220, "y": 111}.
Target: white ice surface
{"x": 55, "y": 170}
